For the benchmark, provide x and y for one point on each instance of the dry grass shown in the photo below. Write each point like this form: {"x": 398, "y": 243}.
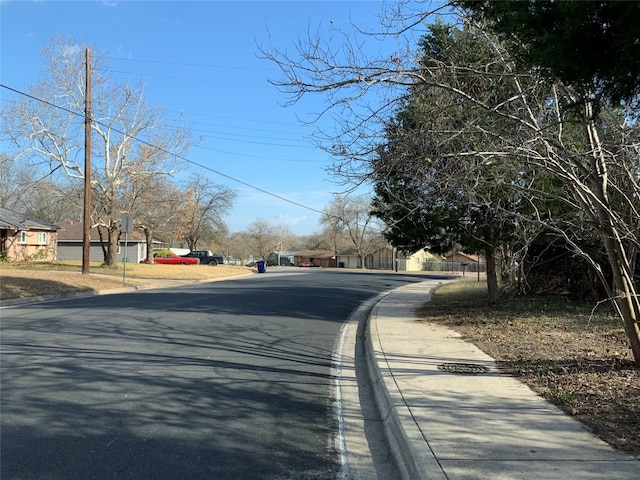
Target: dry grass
{"x": 23, "y": 280}
{"x": 577, "y": 359}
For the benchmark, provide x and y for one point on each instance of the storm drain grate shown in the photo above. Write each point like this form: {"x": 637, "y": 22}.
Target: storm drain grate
{"x": 465, "y": 368}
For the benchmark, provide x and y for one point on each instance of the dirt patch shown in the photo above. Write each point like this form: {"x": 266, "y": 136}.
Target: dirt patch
{"x": 574, "y": 358}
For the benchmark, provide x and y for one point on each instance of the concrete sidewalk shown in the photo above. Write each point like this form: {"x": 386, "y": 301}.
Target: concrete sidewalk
{"x": 445, "y": 423}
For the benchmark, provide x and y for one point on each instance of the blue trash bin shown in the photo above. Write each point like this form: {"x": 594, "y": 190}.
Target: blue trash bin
{"x": 262, "y": 266}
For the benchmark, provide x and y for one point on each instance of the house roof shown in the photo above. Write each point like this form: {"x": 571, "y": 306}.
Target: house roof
{"x": 315, "y": 254}
{"x": 72, "y": 231}
{"x": 15, "y": 220}
{"x": 473, "y": 258}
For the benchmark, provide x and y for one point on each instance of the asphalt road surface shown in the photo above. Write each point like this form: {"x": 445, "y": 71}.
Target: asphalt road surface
{"x": 221, "y": 380}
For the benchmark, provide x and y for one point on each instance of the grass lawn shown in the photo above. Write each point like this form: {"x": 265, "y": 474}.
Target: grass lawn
{"x": 30, "y": 279}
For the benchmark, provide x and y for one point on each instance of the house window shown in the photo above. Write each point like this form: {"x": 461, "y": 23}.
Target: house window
{"x": 42, "y": 238}
{"x": 22, "y": 236}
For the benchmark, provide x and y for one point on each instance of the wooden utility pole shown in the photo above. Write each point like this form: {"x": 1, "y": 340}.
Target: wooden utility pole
{"x": 86, "y": 227}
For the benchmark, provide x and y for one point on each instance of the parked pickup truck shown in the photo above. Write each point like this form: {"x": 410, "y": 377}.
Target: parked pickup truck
{"x": 205, "y": 257}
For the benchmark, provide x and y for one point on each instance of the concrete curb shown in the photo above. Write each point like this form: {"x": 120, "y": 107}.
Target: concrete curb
{"x": 441, "y": 426}
{"x": 403, "y": 433}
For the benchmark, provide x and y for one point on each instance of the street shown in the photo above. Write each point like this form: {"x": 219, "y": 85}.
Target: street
{"x": 221, "y": 380}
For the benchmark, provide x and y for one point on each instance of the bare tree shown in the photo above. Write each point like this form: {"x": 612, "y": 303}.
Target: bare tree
{"x": 47, "y": 128}
{"x": 334, "y": 232}
{"x": 237, "y": 246}
{"x": 200, "y": 217}
{"x": 354, "y": 215}
{"x": 155, "y": 206}
{"x": 38, "y": 194}
{"x": 14, "y": 182}
{"x": 282, "y": 241}
{"x": 262, "y": 238}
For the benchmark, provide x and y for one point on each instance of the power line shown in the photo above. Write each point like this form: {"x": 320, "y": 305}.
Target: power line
{"x": 185, "y": 64}
{"x": 246, "y": 155}
{"x": 223, "y": 117}
{"x": 192, "y": 162}
{"x": 171, "y": 77}
{"x": 222, "y": 136}
{"x": 227, "y": 136}
{"x": 243, "y": 138}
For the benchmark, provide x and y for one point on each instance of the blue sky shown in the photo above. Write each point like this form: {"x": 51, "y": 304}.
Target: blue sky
{"x": 199, "y": 59}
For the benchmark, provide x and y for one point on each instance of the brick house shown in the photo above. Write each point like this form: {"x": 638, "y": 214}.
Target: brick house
{"x": 322, "y": 258}
{"x": 25, "y": 239}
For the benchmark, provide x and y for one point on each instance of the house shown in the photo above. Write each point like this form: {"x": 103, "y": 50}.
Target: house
{"x": 388, "y": 258}
{"x": 322, "y": 258}
{"x": 418, "y": 261}
{"x": 70, "y": 244}
{"x": 460, "y": 261}
{"x": 26, "y": 239}
{"x": 349, "y": 258}
{"x": 284, "y": 259}
{"x": 380, "y": 259}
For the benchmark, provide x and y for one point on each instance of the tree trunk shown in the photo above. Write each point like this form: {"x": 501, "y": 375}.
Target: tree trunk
{"x": 112, "y": 245}
{"x": 148, "y": 235}
{"x": 102, "y": 244}
{"x": 626, "y": 295}
{"x": 488, "y": 237}
{"x": 492, "y": 274}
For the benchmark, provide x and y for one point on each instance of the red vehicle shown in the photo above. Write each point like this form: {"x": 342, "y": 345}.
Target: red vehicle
{"x": 173, "y": 259}
{"x": 309, "y": 264}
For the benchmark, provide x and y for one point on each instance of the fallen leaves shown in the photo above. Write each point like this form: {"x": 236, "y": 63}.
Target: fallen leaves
{"x": 581, "y": 363}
